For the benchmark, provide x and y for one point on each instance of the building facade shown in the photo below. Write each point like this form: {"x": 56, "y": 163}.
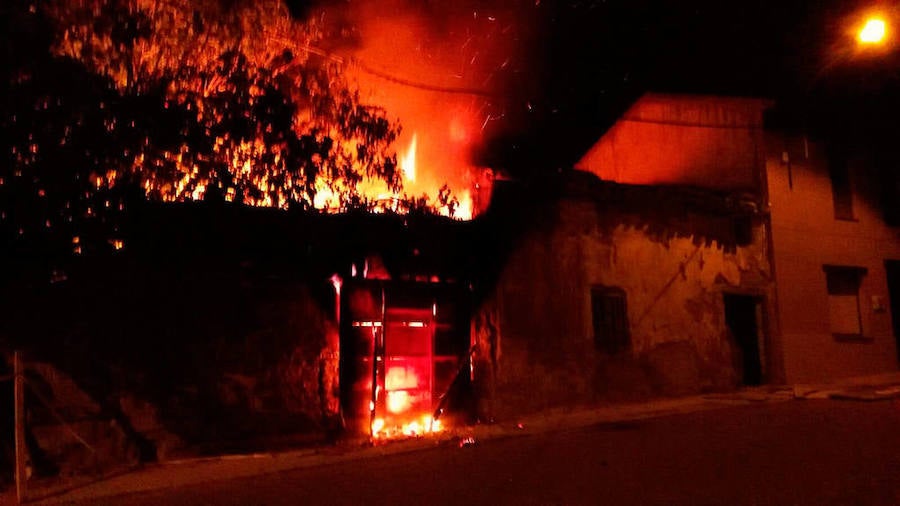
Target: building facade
{"x": 835, "y": 257}
{"x": 693, "y": 250}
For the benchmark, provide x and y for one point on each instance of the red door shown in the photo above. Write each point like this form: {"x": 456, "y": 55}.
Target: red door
{"x": 405, "y": 397}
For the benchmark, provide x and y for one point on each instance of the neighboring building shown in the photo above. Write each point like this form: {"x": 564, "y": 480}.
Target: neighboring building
{"x": 702, "y": 258}
{"x": 836, "y": 260}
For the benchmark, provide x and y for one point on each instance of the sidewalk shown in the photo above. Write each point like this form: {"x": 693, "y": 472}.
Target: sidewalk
{"x": 196, "y": 471}
{"x": 861, "y": 388}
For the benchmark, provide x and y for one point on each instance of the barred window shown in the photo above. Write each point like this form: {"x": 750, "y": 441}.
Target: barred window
{"x": 610, "y": 319}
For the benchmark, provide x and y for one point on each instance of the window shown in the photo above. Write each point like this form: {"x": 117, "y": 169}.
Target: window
{"x": 844, "y": 313}
{"x": 743, "y": 230}
{"x": 610, "y": 319}
{"x": 841, "y": 193}
{"x": 890, "y": 194}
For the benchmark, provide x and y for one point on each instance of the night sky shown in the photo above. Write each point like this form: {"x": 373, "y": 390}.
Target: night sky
{"x": 578, "y": 64}
{"x": 596, "y": 57}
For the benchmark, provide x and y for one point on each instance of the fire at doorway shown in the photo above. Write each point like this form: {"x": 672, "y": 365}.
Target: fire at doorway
{"x": 404, "y": 356}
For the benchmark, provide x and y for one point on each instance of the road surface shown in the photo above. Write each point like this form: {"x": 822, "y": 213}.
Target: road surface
{"x": 815, "y": 452}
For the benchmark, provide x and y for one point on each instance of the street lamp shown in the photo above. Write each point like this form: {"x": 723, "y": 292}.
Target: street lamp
{"x": 856, "y": 78}
{"x": 872, "y": 32}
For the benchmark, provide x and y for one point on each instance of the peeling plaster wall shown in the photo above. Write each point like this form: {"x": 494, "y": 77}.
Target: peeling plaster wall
{"x": 674, "y": 302}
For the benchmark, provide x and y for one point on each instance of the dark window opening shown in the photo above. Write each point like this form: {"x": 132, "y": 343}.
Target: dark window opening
{"x": 845, "y": 317}
{"x": 893, "y": 280}
{"x": 743, "y": 230}
{"x": 796, "y": 148}
{"x": 610, "y": 319}
{"x": 841, "y": 192}
{"x": 890, "y": 194}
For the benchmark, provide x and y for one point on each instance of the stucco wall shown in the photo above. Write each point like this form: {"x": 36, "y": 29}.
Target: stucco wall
{"x": 702, "y": 141}
{"x": 675, "y": 311}
{"x": 807, "y": 236}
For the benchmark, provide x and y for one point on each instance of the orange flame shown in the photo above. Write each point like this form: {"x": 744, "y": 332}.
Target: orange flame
{"x": 443, "y": 119}
{"x": 420, "y": 427}
{"x": 408, "y": 163}
{"x": 401, "y": 384}
{"x": 440, "y": 130}
{"x": 397, "y": 383}
{"x": 398, "y": 401}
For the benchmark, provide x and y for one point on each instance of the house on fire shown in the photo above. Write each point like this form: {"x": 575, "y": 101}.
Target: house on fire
{"x": 693, "y": 248}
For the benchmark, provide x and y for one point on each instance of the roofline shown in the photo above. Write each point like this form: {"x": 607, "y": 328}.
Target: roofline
{"x": 764, "y": 102}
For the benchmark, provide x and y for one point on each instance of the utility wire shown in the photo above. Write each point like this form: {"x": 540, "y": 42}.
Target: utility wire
{"x": 385, "y": 75}
{"x": 423, "y": 86}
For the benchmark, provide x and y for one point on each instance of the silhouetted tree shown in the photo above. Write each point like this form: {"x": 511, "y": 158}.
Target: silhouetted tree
{"x": 111, "y": 100}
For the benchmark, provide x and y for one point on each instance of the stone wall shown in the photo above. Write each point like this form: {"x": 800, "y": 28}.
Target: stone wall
{"x": 673, "y": 285}
{"x": 183, "y": 360}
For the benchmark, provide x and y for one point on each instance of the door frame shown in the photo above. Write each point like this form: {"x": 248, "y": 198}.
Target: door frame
{"x": 763, "y": 333}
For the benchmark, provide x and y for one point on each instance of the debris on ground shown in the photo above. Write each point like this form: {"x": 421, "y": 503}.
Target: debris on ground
{"x": 466, "y": 441}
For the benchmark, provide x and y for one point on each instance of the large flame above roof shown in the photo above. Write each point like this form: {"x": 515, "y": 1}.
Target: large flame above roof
{"x": 376, "y": 106}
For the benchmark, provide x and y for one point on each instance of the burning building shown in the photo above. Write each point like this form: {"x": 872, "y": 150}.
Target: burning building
{"x": 405, "y": 355}
{"x": 675, "y": 258}
{"x": 203, "y": 171}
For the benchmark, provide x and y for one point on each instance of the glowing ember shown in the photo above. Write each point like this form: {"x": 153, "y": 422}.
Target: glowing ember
{"x": 420, "y": 426}
{"x": 412, "y": 429}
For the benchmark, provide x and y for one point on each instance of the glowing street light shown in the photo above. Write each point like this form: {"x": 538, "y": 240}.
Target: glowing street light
{"x": 873, "y": 31}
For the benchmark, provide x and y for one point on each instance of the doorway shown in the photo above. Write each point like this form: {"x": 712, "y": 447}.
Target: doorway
{"x": 892, "y": 267}
{"x": 742, "y": 316}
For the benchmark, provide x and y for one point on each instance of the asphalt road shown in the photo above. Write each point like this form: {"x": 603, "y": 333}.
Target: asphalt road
{"x": 800, "y": 452}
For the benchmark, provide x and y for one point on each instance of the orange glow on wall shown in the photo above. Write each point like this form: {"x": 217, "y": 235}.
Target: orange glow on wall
{"x": 709, "y": 142}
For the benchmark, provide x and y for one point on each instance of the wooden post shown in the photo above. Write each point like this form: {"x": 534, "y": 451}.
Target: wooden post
{"x": 19, "y": 395}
